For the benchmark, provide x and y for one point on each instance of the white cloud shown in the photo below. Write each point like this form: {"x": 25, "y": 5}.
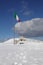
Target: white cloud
{"x": 30, "y": 28}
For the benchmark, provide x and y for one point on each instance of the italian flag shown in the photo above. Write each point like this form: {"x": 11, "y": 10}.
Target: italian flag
{"x": 16, "y": 17}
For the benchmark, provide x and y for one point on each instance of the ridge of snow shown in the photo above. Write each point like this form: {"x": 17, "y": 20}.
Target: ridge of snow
{"x": 11, "y": 41}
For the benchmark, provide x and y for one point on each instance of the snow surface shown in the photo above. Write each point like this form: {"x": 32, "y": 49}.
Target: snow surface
{"x": 29, "y": 53}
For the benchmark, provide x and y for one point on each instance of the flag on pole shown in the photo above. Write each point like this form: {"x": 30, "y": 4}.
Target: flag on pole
{"x": 16, "y": 17}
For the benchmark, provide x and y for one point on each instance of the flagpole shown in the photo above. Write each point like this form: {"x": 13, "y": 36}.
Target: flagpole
{"x": 17, "y": 19}
{"x": 14, "y": 34}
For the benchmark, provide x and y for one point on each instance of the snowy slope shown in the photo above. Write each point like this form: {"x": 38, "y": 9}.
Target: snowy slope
{"x": 10, "y": 41}
{"x": 29, "y": 53}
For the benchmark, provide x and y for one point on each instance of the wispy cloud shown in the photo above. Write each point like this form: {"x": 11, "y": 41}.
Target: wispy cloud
{"x": 11, "y": 10}
{"x": 27, "y": 13}
{"x": 25, "y": 9}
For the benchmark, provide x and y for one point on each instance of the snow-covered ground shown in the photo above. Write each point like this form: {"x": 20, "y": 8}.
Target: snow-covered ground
{"x": 29, "y": 53}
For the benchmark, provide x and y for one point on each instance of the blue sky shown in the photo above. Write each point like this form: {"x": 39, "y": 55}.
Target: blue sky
{"x": 25, "y": 9}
